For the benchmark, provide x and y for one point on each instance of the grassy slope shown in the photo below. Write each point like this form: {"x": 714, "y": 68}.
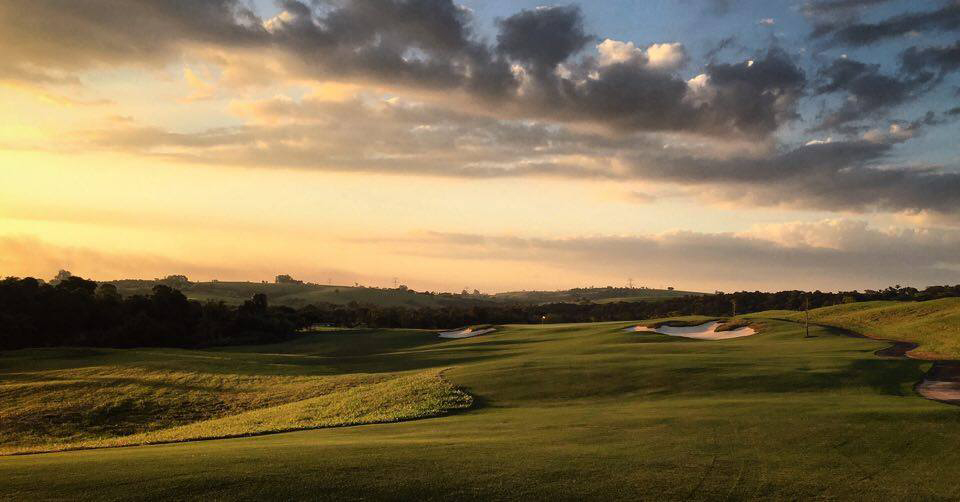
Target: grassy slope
{"x": 55, "y": 399}
{"x": 934, "y": 325}
{"x": 569, "y": 412}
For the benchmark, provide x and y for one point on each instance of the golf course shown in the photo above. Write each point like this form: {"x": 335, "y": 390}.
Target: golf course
{"x": 564, "y": 411}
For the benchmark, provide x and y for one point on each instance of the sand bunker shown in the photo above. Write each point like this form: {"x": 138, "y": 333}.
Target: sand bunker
{"x": 942, "y": 382}
{"x": 705, "y": 331}
{"x": 938, "y": 390}
{"x": 466, "y": 333}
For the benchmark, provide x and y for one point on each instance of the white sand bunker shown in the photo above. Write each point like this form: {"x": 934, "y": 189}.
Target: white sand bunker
{"x": 466, "y": 333}
{"x": 705, "y": 331}
{"x": 940, "y": 390}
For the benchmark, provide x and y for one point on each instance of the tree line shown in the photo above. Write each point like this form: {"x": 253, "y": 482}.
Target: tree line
{"x": 81, "y": 312}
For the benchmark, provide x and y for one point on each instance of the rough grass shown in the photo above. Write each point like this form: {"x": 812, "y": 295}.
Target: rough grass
{"x": 132, "y": 402}
{"x": 934, "y": 325}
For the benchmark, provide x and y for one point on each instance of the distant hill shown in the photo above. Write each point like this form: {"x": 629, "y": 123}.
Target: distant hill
{"x": 301, "y": 294}
{"x": 607, "y": 294}
{"x": 296, "y": 294}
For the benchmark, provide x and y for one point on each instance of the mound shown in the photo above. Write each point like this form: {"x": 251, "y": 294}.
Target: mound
{"x": 135, "y": 402}
{"x": 933, "y": 325}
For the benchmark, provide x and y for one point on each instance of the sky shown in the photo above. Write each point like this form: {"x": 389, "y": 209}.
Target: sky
{"x": 493, "y": 145}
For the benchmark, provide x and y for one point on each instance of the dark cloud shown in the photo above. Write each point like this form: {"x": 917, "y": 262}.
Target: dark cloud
{"x": 868, "y": 93}
{"x": 759, "y": 94}
{"x": 938, "y": 60}
{"x": 426, "y": 45}
{"x": 543, "y": 37}
{"x": 752, "y": 98}
{"x": 722, "y": 45}
{"x": 854, "y": 33}
{"x": 866, "y": 90}
{"x": 835, "y": 7}
{"x": 842, "y": 175}
{"x": 717, "y": 7}
{"x": 67, "y": 34}
{"x": 830, "y": 254}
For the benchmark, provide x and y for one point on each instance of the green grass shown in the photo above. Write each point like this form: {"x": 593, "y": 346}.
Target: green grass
{"x": 933, "y": 325}
{"x": 566, "y": 412}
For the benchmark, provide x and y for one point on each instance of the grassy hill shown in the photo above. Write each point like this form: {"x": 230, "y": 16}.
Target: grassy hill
{"x": 595, "y": 295}
{"x": 299, "y": 295}
{"x": 934, "y": 325}
{"x": 570, "y": 411}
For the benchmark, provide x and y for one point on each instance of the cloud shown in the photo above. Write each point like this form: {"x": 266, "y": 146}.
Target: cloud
{"x": 941, "y": 60}
{"x": 829, "y": 254}
{"x": 853, "y": 33}
{"x": 535, "y": 70}
{"x": 834, "y": 7}
{"x": 22, "y": 255}
{"x": 400, "y": 137}
{"x": 544, "y": 98}
{"x": 29, "y": 256}
{"x": 666, "y": 56}
{"x": 543, "y": 37}
{"x": 868, "y": 92}
{"x": 717, "y": 7}
{"x": 70, "y": 35}
{"x": 836, "y": 176}
{"x": 615, "y": 51}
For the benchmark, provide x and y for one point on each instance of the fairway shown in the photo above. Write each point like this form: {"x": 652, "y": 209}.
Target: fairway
{"x": 561, "y": 411}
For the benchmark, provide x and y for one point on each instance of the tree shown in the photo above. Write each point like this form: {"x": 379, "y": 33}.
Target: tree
{"x": 61, "y": 276}
{"x": 176, "y": 281}
{"x": 77, "y": 284}
{"x": 107, "y": 292}
{"x": 256, "y": 305}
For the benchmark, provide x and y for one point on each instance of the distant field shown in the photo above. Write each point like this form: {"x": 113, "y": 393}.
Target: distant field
{"x": 565, "y": 412}
{"x": 934, "y": 325}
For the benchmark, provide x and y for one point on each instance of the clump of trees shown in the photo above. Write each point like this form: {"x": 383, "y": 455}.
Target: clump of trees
{"x": 80, "y": 312}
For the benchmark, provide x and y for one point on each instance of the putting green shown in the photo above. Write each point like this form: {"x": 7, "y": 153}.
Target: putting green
{"x": 566, "y": 412}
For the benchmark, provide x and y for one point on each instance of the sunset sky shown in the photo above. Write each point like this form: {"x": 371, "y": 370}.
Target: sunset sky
{"x": 497, "y": 145}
